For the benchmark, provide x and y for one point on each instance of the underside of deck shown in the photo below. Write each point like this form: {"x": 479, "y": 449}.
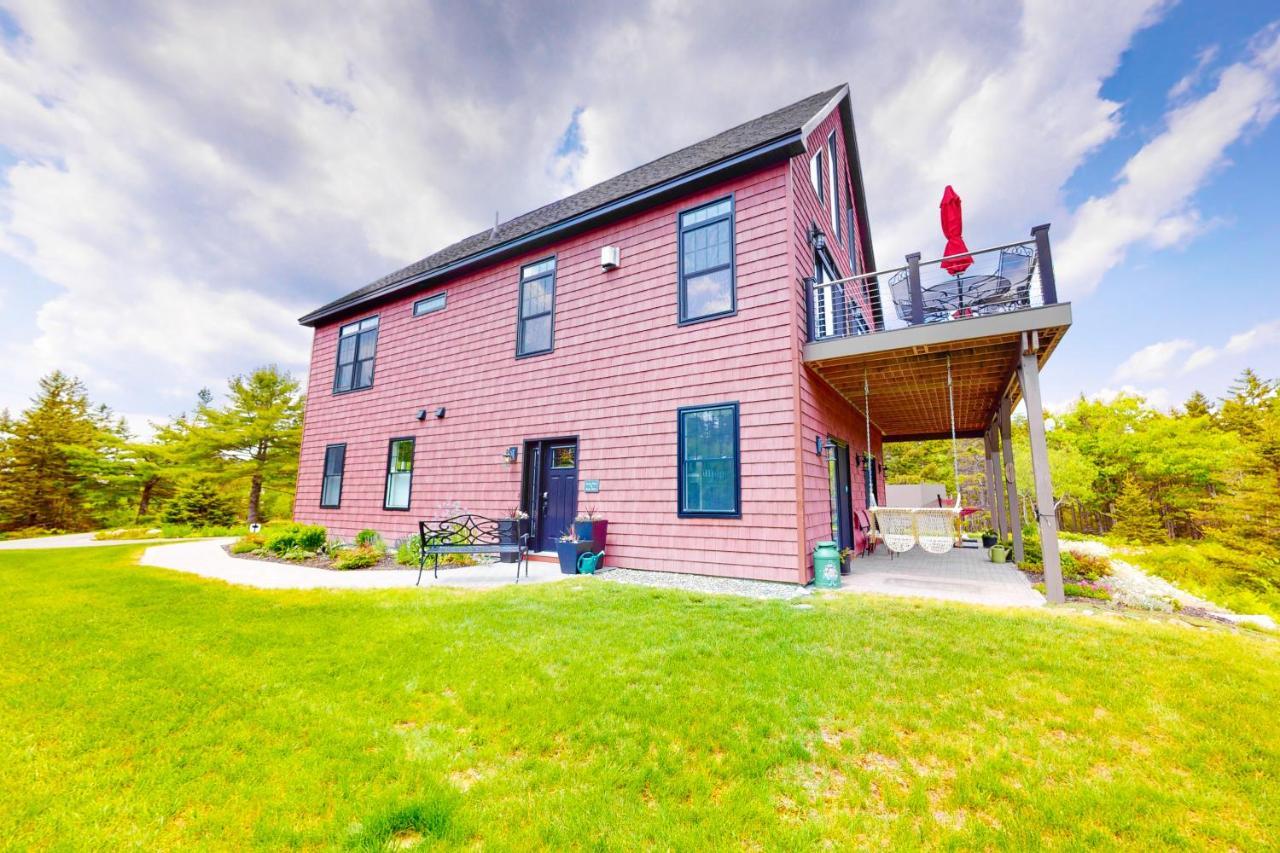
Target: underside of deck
{"x": 899, "y": 377}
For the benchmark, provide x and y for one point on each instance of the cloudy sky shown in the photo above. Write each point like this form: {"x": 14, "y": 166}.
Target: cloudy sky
{"x": 180, "y": 182}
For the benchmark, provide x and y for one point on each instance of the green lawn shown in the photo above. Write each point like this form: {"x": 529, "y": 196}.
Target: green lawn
{"x": 147, "y": 708}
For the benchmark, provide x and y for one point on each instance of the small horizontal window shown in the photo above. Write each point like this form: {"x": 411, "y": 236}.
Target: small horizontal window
{"x": 429, "y": 305}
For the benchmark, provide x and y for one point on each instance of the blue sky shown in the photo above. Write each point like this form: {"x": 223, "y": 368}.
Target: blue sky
{"x": 179, "y": 182}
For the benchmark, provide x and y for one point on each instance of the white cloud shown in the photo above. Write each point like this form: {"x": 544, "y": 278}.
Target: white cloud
{"x": 1262, "y": 335}
{"x": 1156, "y": 397}
{"x": 1193, "y": 77}
{"x": 1154, "y": 361}
{"x": 1152, "y": 201}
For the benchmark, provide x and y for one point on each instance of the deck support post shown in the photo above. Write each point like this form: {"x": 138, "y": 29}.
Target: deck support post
{"x": 997, "y": 471}
{"x": 1011, "y": 477}
{"x": 1046, "y": 513}
{"x": 988, "y": 463}
{"x": 913, "y": 286}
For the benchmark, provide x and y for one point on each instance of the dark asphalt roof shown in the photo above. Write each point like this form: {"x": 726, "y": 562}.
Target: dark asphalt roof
{"x": 731, "y": 142}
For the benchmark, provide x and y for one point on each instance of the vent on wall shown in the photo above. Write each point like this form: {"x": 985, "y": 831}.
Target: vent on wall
{"x": 610, "y": 257}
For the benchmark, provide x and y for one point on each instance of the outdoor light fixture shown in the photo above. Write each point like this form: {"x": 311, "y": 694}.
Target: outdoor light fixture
{"x": 822, "y": 446}
{"x": 440, "y": 412}
{"x": 422, "y": 414}
{"x": 510, "y": 455}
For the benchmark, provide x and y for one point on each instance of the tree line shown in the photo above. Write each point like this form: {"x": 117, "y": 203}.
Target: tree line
{"x": 67, "y": 463}
{"x": 1205, "y": 470}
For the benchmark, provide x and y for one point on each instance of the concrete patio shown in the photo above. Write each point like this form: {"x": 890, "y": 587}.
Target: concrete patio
{"x": 963, "y": 574}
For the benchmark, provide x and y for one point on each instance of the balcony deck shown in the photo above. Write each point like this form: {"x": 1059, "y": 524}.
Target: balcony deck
{"x": 1012, "y": 306}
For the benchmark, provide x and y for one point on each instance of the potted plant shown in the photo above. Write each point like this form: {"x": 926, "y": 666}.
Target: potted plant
{"x": 846, "y": 561}
{"x": 989, "y": 538}
{"x": 568, "y": 547}
{"x": 510, "y": 531}
{"x": 589, "y": 527}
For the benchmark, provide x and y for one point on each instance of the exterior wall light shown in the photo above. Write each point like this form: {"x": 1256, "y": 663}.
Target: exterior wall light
{"x": 440, "y": 412}
{"x": 421, "y": 415}
{"x": 510, "y": 455}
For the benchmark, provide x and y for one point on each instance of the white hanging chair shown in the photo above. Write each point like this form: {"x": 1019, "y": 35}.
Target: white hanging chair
{"x": 936, "y": 528}
{"x": 897, "y": 527}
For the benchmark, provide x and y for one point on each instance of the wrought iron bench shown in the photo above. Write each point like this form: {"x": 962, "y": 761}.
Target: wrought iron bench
{"x": 470, "y": 534}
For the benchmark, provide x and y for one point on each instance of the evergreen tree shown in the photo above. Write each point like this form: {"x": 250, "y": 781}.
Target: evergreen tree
{"x": 40, "y": 484}
{"x": 252, "y": 442}
{"x": 1197, "y": 406}
{"x": 1136, "y": 517}
{"x": 198, "y": 503}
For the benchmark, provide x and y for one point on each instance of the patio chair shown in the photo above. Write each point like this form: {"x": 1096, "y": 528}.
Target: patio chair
{"x": 1014, "y": 266}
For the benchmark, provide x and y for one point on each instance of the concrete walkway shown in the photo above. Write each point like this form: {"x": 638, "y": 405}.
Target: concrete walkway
{"x": 68, "y": 540}
{"x": 207, "y": 559}
{"x": 963, "y": 574}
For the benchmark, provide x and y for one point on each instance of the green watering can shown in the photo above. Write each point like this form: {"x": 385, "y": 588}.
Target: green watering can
{"x": 587, "y": 562}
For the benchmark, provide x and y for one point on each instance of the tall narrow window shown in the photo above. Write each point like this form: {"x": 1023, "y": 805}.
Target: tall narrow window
{"x": 706, "y": 261}
{"x": 537, "y": 308}
{"x": 357, "y": 346}
{"x": 833, "y": 197}
{"x": 399, "y": 474}
{"x": 709, "y": 476}
{"x": 816, "y": 176}
{"x": 335, "y": 460}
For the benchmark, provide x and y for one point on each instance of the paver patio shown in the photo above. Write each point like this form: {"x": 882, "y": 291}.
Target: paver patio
{"x": 963, "y": 574}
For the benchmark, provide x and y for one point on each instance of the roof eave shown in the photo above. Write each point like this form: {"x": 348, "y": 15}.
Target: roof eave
{"x": 780, "y": 148}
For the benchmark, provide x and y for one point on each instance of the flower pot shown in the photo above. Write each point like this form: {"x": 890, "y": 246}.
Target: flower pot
{"x": 583, "y": 530}
{"x": 599, "y": 532}
{"x": 568, "y": 553}
{"x": 989, "y": 539}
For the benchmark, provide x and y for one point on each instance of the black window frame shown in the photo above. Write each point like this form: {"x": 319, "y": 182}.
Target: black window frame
{"x": 356, "y": 361}
{"x": 325, "y": 474}
{"x": 821, "y": 178}
{"x": 833, "y": 184}
{"x": 521, "y": 352}
{"x": 442, "y": 296}
{"x": 736, "y": 512}
{"x": 681, "y": 229}
{"x": 386, "y": 485}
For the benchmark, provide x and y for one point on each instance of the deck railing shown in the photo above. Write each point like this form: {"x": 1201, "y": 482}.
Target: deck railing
{"x": 1011, "y": 277}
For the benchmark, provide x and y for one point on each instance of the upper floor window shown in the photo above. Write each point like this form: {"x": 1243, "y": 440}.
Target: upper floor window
{"x": 535, "y": 332}
{"x": 430, "y": 304}
{"x": 709, "y": 482}
{"x": 399, "y": 474}
{"x": 706, "y": 261}
{"x": 335, "y": 460}
{"x": 357, "y": 346}
{"x": 833, "y": 197}
{"x": 817, "y": 175}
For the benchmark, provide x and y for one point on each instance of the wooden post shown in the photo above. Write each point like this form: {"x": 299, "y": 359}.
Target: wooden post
{"x": 989, "y": 470}
{"x": 1029, "y": 379}
{"x": 998, "y": 470}
{"x": 1011, "y": 478}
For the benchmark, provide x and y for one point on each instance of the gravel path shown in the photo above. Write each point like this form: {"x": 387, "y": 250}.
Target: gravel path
{"x": 1133, "y": 587}
{"x": 703, "y": 583}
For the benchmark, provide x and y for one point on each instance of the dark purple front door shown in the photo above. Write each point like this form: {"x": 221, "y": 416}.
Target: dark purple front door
{"x": 555, "y": 489}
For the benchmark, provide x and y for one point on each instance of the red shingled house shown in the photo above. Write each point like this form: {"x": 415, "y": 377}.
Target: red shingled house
{"x": 682, "y": 348}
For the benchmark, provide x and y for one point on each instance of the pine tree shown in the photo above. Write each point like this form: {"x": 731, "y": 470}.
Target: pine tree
{"x": 1136, "y": 517}
{"x": 253, "y": 441}
{"x": 198, "y": 503}
{"x": 40, "y": 483}
{"x": 1197, "y": 406}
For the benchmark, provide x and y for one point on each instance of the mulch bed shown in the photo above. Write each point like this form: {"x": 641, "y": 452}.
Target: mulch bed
{"x": 323, "y": 562}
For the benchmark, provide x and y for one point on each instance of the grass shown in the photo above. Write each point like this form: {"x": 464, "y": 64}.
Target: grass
{"x": 1232, "y": 577}
{"x": 151, "y": 709}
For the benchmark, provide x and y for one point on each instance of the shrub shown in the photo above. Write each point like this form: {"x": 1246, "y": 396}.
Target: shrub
{"x": 369, "y": 539}
{"x": 358, "y": 558}
{"x": 279, "y": 541}
{"x": 1087, "y": 567}
{"x": 197, "y": 502}
{"x": 408, "y": 551}
{"x": 297, "y": 554}
{"x": 248, "y": 543}
{"x": 312, "y": 537}
{"x": 1082, "y": 590}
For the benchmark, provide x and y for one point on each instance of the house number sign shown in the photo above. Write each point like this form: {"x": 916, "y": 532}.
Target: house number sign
{"x": 591, "y": 487}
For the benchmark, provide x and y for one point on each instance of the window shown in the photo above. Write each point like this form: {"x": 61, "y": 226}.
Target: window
{"x": 399, "y": 474}
{"x": 708, "y": 479}
{"x": 564, "y": 456}
{"x": 706, "y": 262}
{"x": 816, "y": 177}
{"x": 848, "y": 236}
{"x": 335, "y": 459}
{"x": 833, "y": 196}
{"x": 537, "y": 304}
{"x": 357, "y": 345}
{"x": 429, "y": 305}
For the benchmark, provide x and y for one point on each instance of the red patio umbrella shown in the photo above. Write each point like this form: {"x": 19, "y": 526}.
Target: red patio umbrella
{"x": 953, "y": 230}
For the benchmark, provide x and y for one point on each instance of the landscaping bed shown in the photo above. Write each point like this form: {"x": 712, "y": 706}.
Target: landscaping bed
{"x": 311, "y": 545}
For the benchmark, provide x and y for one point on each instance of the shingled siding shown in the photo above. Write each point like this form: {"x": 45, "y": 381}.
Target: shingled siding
{"x": 821, "y": 411}
{"x": 620, "y": 369}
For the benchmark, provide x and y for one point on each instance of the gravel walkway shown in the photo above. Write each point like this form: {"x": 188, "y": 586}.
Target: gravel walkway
{"x": 703, "y": 583}
{"x": 1133, "y": 587}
